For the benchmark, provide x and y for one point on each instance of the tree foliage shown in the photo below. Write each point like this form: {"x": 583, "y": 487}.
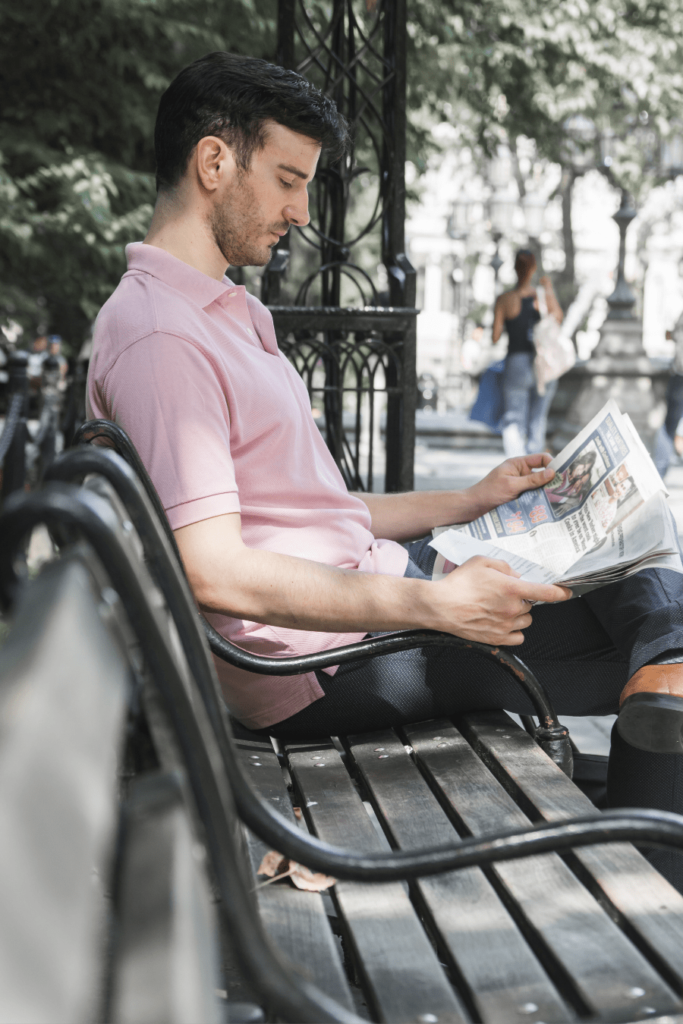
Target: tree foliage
{"x": 81, "y": 82}
{"x": 76, "y": 158}
{"x": 523, "y": 67}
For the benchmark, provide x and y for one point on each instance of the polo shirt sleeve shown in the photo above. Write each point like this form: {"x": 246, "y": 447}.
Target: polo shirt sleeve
{"x": 166, "y": 395}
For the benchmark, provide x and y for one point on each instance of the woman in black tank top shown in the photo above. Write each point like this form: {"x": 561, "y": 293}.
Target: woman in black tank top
{"x": 525, "y": 412}
{"x": 521, "y": 327}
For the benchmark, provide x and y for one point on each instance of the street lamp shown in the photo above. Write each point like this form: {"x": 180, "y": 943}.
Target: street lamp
{"x": 459, "y": 218}
{"x": 578, "y": 143}
{"x": 607, "y": 144}
{"x": 622, "y": 300}
{"x": 502, "y": 206}
{"x": 500, "y": 168}
{"x": 618, "y": 367}
{"x": 533, "y": 206}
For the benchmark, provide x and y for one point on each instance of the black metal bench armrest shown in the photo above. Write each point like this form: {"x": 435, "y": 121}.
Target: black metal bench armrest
{"x": 118, "y": 440}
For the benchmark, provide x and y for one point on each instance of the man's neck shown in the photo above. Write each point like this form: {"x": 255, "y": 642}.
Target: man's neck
{"x": 185, "y": 234}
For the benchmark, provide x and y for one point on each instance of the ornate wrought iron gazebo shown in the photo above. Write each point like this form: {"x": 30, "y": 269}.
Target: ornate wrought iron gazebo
{"x": 352, "y": 340}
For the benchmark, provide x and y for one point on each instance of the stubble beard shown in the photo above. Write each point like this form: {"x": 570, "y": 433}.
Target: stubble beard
{"x": 236, "y": 226}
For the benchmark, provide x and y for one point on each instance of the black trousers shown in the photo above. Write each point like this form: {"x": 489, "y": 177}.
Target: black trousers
{"x": 583, "y": 651}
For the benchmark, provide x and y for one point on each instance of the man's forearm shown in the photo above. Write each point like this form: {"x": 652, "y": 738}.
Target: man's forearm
{"x": 481, "y": 600}
{"x": 282, "y": 590}
{"x": 415, "y": 514}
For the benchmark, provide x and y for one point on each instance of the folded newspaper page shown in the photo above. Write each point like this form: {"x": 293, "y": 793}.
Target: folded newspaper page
{"x": 602, "y": 517}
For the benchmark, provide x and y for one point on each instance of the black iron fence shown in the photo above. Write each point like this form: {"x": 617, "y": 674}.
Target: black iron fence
{"x": 15, "y": 430}
{"x": 41, "y": 414}
{"x": 358, "y": 363}
{"x": 359, "y": 368}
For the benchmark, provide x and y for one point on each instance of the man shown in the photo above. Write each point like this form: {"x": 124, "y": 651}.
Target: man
{"x": 280, "y": 556}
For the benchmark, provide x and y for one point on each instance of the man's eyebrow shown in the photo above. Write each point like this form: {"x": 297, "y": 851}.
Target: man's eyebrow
{"x": 293, "y": 170}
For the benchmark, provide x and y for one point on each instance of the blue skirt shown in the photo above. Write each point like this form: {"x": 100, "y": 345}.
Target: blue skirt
{"x": 488, "y": 407}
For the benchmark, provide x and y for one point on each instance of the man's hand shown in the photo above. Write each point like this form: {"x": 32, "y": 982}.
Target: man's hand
{"x": 507, "y": 481}
{"x": 485, "y": 600}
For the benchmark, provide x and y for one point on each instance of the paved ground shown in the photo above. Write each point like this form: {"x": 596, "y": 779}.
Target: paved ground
{"x": 443, "y": 468}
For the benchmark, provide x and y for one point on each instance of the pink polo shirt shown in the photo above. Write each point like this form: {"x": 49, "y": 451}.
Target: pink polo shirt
{"x": 190, "y": 368}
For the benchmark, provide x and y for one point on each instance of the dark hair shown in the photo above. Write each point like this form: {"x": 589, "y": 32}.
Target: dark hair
{"x": 233, "y": 97}
{"x": 525, "y": 263}
{"x": 586, "y": 459}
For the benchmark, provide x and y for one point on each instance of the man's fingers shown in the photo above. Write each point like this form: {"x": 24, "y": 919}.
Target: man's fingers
{"x": 483, "y": 562}
{"x": 520, "y": 622}
{"x": 531, "y": 477}
{"x": 551, "y": 593}
{"x": 512, "y": 640}
{"x": 539, "y": 459}
{"x": 500, "y": 566}
{"x": 538, "y": 477}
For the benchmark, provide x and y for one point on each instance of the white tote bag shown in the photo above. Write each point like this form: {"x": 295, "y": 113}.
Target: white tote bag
{"x": 555, "y": 353}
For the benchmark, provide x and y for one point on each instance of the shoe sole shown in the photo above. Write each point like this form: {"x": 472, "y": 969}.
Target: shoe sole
{"x": 653, "y": 722}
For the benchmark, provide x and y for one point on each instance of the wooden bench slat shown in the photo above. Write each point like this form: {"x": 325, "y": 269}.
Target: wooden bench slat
{"x": 62, "y": 708}
{"x": 166, "y": 962}
{"x": 490, "y": 953}
{"x": 621, "y": 874}
{"x": 580, "y": 945}
{"x": 399, "y": 965}
{"x": 296, "y": 921}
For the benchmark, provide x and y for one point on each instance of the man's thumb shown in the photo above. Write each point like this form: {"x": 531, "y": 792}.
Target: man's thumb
{"x": 541, "y": 476}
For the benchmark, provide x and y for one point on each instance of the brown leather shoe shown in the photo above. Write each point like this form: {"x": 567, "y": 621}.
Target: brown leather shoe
{"x": 651, "y": 712}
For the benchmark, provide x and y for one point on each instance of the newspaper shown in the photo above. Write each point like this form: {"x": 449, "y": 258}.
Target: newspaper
{"x": 602, "y": 517}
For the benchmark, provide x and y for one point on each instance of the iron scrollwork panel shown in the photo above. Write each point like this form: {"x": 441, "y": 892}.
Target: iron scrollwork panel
{"x": 354, "y": 51}
{"x": 355, "y": 375}
{"x": 357, "y": 359}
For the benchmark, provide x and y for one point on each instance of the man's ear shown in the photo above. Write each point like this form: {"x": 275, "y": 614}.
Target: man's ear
{"x": 214, "y": 162}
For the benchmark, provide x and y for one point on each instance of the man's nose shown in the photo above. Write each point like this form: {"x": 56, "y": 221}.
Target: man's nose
{"x": 297, "y": 212}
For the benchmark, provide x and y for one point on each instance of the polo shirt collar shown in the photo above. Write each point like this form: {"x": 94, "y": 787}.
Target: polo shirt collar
{"x": 198, "y": 287}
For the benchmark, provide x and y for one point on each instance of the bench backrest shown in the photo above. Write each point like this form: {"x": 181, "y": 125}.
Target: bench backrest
{"x": 69, "y": 949}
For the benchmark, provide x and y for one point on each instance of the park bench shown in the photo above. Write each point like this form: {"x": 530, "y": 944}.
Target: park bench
{"x": 68, "y": 838}
{"x": 591, "y": 933}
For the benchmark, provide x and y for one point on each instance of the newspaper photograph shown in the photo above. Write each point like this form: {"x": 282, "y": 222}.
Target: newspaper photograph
{"x": 602, "y": 516}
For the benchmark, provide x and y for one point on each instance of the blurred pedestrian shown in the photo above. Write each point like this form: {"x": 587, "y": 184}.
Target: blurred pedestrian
{"x": 55, "y": 350}
{"x": 670, "y": 436}
{"x": 36, "y": 358}
{"x": 525, "y": 411}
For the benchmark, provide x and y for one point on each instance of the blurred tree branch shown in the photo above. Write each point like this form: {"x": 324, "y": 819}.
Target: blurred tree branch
{"x": 81, "y": 80}
{"x": 498, "y": 69}
{"x": 76, "y": 160}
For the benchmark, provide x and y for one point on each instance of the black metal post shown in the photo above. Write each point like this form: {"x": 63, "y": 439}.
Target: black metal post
{"x": 401, "y": 405}
{"x": 285, "y": 34}
{"x": 74, "y": 411}
{"x": 622, "y": 300}
{"x": 50, "y": 412}
{"x": 402, "y": 275}
{"x": 14, "y": 465}
{"x": 496, "y": 261}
